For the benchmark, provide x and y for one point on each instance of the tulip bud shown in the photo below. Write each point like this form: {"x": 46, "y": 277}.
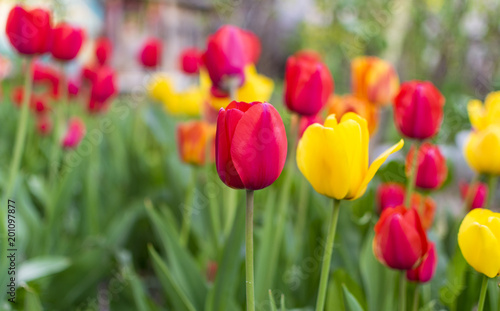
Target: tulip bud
{"x": 418, "y": 109}
{"x": 196, "y": 139}
{"x": 226, "y": 56}
{"x": 425, "y": 271}
{"x": 308, "y": 84}
{"x": 191, "y": 60}
{"x": 374, "y": 80}
{"x": 334, "y": 157}
{"x": 74, "y": 133}
{"x": 479, "y": 241}
{"x": 66, "y": 41}
{"x": 478, "y": 195}
{"x": 151, "y": 52}
{"x": 390, "y": 195}
{"x": 400, "y": 241}
{"x": 431, "y": 166}
{"x": 103, "y": 50}
{"x": 29, "y": 30}
{"x": 426, "y": 208}
{"x": 482, "y": 149}
{"x": 340, "y": 105}
{"x": 43, "y": 125}
{"x": 306, "y": 121}
{"x": 250, "y": 146}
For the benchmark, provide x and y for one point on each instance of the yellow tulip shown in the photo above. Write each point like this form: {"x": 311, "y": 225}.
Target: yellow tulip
{"x": 334, "y": 157}
{"x": 256, "y": 88}
{"x": 479, "y": 241}
{"x": 160, "y": 88}
{"x": 481, "y": 116}
{"x": 482, "y": 150}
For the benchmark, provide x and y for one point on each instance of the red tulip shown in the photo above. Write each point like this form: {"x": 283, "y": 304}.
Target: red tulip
{"x": 39, "y": 104}
{"x": 306, "y": 121}
{"x": 191, "y": 60}
{"x": 103, "y": 50}
{"x": 44, "y": 125}
{"x": 44, "y": 74}
{"x": 17, "y": 95}
{"x": 479, "y": 194}
{"x": 226, "y": 56}
{"x": 425, "y": 271}
{"x": 250, "y": 145}
{"x": 73, "y": 88}
{"x": 400, "y": 241}
{"x": 418, "y": 109}
{"x": 66, "y": 41}
{"x": 103, "y": 88}
{"x": 426, "y": 208}
{"x": 308, "y": 84}
{"x": 390, "y": 195}
{"x": 252, "y": 47}
{"x": 74, "y": 133}
{"x": 29, "y": 30}
{"x": 431, "y": 166}
{"x": 151, "y": 52}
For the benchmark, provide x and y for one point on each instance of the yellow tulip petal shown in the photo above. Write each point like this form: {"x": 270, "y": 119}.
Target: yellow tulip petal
{"x": 482, "y": 150}
{"x": 321, "y": 158}
{"x": 374, "y": 168}
{"x": 476, "y": 114}
{"x": 331, "y": 121}
{"x": 480, "y": 249}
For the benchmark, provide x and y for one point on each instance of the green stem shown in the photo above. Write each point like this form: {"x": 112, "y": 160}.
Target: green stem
{"x": 59, "y": 112}
{"x": 402, "y": 291}
{"x": 230, "y": 199}
{"x": 410, "y": 186}
{"x": 93, "y": 186}
{"x": 302, "y": 214}
{"x": 415, "y": 298}
{"x": 482, "y": 296}
{"x": 188, "y": 211}
{"x": 492, "y": 186}
{"x": 249, "y": 253}
{"x": 327, "y": 257}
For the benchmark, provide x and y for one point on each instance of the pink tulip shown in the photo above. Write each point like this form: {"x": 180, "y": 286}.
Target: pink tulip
{"x": 74, "y": 133}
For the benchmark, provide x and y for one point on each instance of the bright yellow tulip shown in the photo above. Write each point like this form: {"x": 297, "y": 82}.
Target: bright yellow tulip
{"x": 482, "y": 150}
{"x": 481, "y": 116}
{"x": 160, "y": 88}
{"x": 479, "y": 241}
{"x": 256, "y": 88}
{"x": 334, "y": 157}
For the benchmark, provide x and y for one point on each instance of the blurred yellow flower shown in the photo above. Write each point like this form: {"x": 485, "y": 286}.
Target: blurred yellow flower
{"x": 479, "y": 241}
{"x": 256, "y": 88}
{"x": 482, "y": 150}
{"x": 481, "y": 116}
{"x": 160, "y": 87}
{"x": 334, "y": 157}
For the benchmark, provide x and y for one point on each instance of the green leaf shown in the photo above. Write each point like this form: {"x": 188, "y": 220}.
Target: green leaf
{"x": 32, "y": 300}
{"x": 272, "y": 303}
{"x": 351, "y": 301}
{"x": 138, "y": 291}
{"x": 173, "y": 291}
{"x": 40, "y": 267}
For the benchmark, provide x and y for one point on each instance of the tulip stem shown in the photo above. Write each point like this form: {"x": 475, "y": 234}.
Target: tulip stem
{"x": 302, "y": 215}
{"x": 249, "y": 253}
{"x": 492, "y": 185}
{"x": 415, "y": 298}
{"x": 187, "y": 210}
{"x": 410, "y": 186}
{"x": 482, "y": 296}
{"x": 402, "y": 291}
{"x": 327, "y": 257}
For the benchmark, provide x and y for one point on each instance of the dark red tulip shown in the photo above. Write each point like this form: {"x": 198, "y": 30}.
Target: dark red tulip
{"x": 306, "y": 121}
{"x": 250, "y": 145}
{"x": 425, "y": 271}
{"x": 66, "y": 41}
{"x": 431, "y": 166}
{"x": 74, "y": 133}
{"x": 151, "y": 52}
{"x": 418, "y": 109}
{"x": 390, "y": 195}
{"x": 29, "y": 31}
{"x": 44, "y": 125}
{"x": 308, "y": 84}
{"x": 226, "y": 56}
{"x": 479, "y": 194}
{"x": 47, "y": 75}
{"x": 400, "y": 241}
{"x": 191, "y": 60}
{"x": 103, "y": 50}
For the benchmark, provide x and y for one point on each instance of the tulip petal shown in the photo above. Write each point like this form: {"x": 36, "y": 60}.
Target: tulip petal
{"x": 374, "y": 168}
{"x": 259, "y": 146}
{"x": 480, "y": 248}
{"x": 476, "y": 114}
{"x": 321, "y": 158}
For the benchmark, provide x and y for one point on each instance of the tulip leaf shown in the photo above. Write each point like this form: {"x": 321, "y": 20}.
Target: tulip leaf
{"x": 272, "y": 303}
{"x": 40, "y": 267}
{"x": 351, "y": 301}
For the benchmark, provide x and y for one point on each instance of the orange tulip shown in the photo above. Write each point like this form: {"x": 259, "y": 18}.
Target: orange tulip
{"x": 374, "y": 79}
{"x": 193, "y": 139}
{"x": 426, "y": 208}
{"x": 340, "y": 105}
